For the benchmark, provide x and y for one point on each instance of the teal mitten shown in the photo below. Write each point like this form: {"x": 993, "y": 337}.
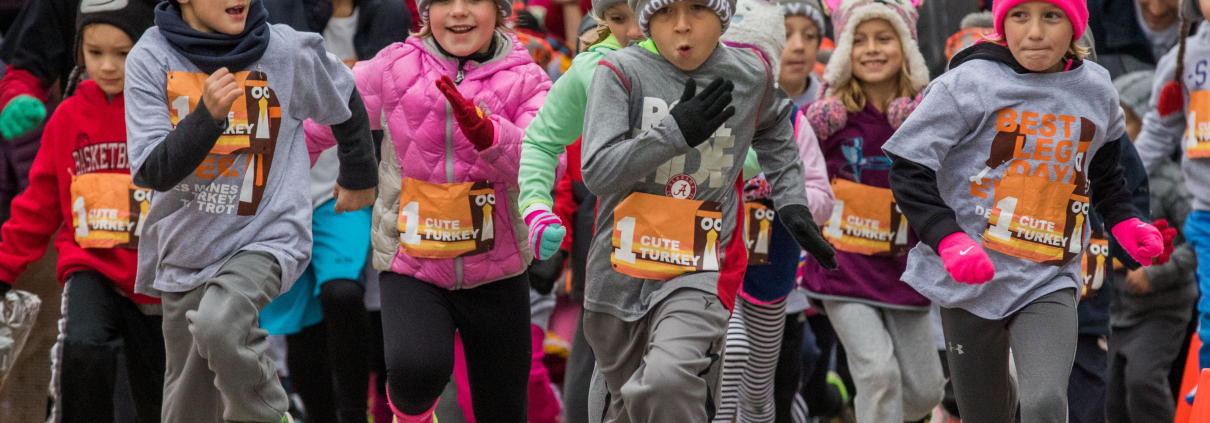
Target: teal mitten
{"x": 21, "y": 115}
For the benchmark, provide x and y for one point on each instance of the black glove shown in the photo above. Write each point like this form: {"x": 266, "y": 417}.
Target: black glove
{"x": 4, "y": 287}
{"x": 544, "y": 273}
{"x": 798, "y": 220}
{"x": 700, "y": 115}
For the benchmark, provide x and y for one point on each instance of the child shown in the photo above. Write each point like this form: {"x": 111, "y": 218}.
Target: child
{"x": 754, "y": 333}
{"x": 804, "y": 32}
{"x": 874, "y": 74}
{"x": 1150, "y": 308}
{"x": 997, "y": 151}
{"x": 1177, "y": 88}
{"x": 324, "y": 315}
{"x": 554, "y": 131}
{"x": 217, "y": 99}
{"x": 667, "y": 260}
{"x": 80, "y": 176}
{"x": 442, "y": 184}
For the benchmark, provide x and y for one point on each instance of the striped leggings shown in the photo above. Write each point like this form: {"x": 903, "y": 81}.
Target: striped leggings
{"x": 753, "y": 343}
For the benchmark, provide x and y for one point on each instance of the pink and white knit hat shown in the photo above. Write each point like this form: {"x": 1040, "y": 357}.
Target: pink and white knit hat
{"x": 849, "y": 14}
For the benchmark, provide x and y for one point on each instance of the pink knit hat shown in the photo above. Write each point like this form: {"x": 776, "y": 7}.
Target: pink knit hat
{"x": 1076, "y": 10}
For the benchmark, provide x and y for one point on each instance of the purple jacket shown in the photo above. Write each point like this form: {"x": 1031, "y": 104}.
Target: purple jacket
{"x": 855, "y": 153}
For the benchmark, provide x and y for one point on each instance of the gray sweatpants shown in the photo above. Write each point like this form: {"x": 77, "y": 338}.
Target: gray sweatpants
{"x": 1139, "y": 359}
{"x": 894, "y": 362}
{"x": 1042, "y": 336}
{"x": 665, "y": 366}
{"x": 217, "y": 366}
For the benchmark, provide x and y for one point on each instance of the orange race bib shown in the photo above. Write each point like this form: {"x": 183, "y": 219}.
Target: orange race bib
{"x": 442, "y": 221}
{"x": 1096, "y": 264}
{"x": 254, "y": 115}
{"x": 758, "y": 230}
{"x": 657, "y": 237}
{"x": 866, "y": 220}
{"x": 1036, "y": 219}
{"x": 107, "y": 210}
{"x": 1197, "y": 128}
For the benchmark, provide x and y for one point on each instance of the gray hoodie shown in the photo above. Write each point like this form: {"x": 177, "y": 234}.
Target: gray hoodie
{"x": 633, "y": 146}
{"x": 1011, "y": 153}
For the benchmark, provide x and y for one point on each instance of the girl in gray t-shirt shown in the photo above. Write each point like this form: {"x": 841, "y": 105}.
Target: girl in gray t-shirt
{"x": 1011, "y": 148}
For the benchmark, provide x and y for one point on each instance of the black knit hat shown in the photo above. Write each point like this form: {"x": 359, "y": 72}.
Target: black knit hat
{"x": 131, "y": 16}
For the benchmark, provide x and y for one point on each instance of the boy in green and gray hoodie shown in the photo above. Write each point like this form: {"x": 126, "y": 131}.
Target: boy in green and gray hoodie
{"x": 664, "y": 161}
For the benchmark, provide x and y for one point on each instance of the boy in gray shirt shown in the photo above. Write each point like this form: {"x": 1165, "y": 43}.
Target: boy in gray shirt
{"x": 215, "y": 104}
{"x": 665, "y": 161}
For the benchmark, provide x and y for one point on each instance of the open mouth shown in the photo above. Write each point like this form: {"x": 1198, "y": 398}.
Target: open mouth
{"x": 461, "y": 29}
{"x": 236, "y": 11}
{"x": 684, "y": 49}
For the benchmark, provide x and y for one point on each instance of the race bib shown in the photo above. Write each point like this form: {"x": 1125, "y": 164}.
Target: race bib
{"x": 1197, "y": 129}
{"x": 1096, "y": 264}
{"x": 440, "y": 221}
{"x": 758, "y": 230}
{"x": 656, "y": 237}
{"x": 254, "y": 115}
{"x": 107, "y": 210}
{"x": 866, "y": 220}
{"x": 1036, "y": 219}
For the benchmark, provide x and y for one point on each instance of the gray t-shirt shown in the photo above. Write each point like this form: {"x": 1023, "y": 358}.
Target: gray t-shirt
{"x": 632, "y": 145}
{"x": 1010, "y": 152}
{"x": 247, "y": 195}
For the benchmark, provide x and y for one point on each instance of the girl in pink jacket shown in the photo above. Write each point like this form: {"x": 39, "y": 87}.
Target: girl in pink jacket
{"x": 452, "y": 104}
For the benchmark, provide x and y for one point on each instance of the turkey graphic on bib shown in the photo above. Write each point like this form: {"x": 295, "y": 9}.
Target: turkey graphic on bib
{"x": 1039, "y": 203}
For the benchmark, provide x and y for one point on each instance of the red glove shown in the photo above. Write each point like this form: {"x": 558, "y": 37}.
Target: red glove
{"x": 1168, "y": 234}
{"x": 478, "y": 129}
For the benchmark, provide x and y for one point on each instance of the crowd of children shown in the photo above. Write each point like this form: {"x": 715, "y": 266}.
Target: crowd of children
{"x": 677, "y": 213}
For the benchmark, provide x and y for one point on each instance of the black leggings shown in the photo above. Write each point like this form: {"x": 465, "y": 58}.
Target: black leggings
{"x": 328, "y": 361}
{"x": 419, "y": 320}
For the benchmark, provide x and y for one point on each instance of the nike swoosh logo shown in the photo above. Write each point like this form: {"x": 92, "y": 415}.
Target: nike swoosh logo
{"x": 1142, "y": 225}
{"x": 963, "y": 252}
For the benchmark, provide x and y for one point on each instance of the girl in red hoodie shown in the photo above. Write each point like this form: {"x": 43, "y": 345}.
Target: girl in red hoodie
{"x": 80, "y": 187}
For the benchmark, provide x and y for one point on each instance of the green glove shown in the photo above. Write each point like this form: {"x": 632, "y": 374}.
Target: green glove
{"x": 21, "y": 115}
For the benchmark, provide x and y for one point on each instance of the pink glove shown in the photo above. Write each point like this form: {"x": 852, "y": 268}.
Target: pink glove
{"x": 1141, "y": 240}
{"x": 965, "y": 260}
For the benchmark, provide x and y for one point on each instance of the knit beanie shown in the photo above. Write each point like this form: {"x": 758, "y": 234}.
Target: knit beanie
{"x": 1076, "y": 10}
{"x": 643, "y": 9}
{"x": 599, "y": 6}
{"x": 850, "y": 14}
{"x": 422, "y": 6}
{"x": 759, "y": 24}
{"x": 809, "y": 8}
{"x": 131, "y": 16}
{"x": 1134, "y": 90}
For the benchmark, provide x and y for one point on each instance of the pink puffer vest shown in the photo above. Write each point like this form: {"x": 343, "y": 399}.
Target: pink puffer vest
{"x": 423, "y": 141}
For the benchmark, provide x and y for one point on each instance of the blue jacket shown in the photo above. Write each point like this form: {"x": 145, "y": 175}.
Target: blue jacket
{"x": 1115, "y": 30}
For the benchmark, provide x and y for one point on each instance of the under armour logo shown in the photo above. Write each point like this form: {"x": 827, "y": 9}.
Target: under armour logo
{"x": 956, "y": 348}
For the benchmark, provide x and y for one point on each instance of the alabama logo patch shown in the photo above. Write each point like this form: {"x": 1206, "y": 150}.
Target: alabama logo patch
{"x": 681, "y": 187}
